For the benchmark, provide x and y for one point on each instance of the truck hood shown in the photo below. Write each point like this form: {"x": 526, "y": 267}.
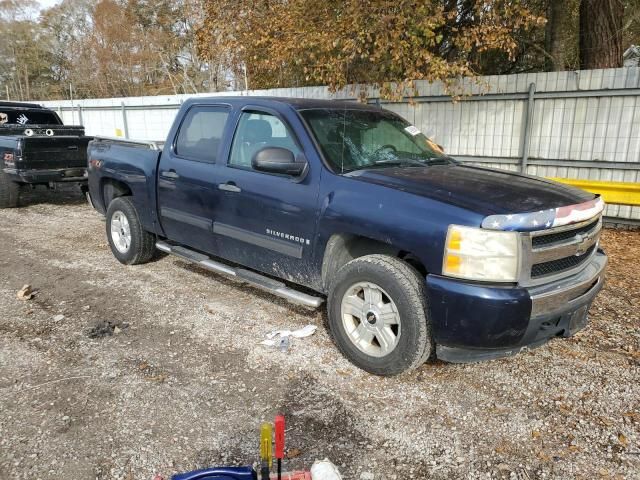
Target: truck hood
{"x": 481, "y": 190}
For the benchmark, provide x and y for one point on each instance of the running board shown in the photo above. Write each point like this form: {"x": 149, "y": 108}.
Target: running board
{"x": 253, "y": 278}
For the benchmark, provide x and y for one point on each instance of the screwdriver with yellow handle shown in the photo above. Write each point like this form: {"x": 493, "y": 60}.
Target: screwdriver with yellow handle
{"x": 266, "y": 451}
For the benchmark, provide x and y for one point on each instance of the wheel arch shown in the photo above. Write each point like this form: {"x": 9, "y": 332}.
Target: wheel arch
{"x": 111, "y": 188}
{"x": 341, "y": 248}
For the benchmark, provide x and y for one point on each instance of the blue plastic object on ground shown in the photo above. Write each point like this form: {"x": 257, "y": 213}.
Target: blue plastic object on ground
{"x": 219, "y": 473}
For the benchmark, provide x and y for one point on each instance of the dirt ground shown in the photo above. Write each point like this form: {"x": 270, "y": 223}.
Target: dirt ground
{"x": 128, "y": 372}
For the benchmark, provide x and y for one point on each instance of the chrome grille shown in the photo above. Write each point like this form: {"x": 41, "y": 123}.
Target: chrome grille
{"x": 560, "y": 265}
{"x": 552, "y": 238}
{"x": 556, "y": 253}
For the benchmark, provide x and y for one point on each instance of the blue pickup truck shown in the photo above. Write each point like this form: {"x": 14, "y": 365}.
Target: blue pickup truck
{"x": 417, "y": 255}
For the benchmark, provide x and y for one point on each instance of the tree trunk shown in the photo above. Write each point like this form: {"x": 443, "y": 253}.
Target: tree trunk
{"x": 601, "y": 33}
{"x": 555, "y": 35}
{"x": 26, "y": 81}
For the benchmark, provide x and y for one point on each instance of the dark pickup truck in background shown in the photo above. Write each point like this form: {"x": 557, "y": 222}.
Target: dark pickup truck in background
{"x": 417, "y": 255}
{"x": 37, "y": 149}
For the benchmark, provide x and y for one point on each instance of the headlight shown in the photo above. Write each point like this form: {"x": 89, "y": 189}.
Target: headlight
{"x": 484, "y": 255}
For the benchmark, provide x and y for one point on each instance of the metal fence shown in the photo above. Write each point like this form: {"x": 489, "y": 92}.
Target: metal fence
{"x": 581, "y": 126}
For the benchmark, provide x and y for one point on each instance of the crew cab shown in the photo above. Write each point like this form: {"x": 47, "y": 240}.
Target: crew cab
{"x": 417, "y": 255}
{"x": 37, "y": 149}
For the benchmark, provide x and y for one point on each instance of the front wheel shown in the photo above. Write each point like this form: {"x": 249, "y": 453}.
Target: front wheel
{"x": 378, "y": 315}
{"x": 129, "y": 242}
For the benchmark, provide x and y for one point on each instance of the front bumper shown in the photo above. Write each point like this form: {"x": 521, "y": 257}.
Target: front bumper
{"x": 58, "y": 175}
{"x": 474, "y": 322}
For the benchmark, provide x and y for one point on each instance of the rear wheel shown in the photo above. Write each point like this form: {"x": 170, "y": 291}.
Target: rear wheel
{"x": 378, "y": 315}
{"x": 129, "y": 242}
{"x": 9, "y": 192}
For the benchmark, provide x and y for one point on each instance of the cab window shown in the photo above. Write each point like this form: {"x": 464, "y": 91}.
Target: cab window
{"x": 201, "y": 133}
{"x": 256, "y": 131}
{"x": 28, "y": 117}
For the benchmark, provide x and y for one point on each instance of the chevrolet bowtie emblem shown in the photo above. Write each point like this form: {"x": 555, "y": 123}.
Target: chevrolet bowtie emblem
{"x": 582, "y": 241}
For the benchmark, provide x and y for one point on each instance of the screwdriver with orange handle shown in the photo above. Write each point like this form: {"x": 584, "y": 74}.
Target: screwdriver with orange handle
{"x": 279, "y": 436}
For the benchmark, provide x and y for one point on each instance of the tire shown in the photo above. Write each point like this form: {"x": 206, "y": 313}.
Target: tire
{"x": 9, "y": 192}
{"x": 400, "y": 297}
{"x": 136, "y": 245}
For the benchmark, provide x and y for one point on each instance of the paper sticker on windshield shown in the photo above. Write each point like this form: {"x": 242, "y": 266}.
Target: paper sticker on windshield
{"x": 22, "y": 119}
{"x": 411, "y": 130}
{"x": 4, "y": 118}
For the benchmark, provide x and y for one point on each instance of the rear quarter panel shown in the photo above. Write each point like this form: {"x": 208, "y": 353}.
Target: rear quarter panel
{"x": 134, "y": 167}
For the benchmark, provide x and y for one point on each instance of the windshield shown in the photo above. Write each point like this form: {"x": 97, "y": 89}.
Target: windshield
{"x": 28, "y": 117}
{"x": 357, "y": 139}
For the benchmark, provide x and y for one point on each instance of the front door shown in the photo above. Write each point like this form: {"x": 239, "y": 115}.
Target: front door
{"x": 187, "y": 187}
{"x": 266, "y": 221}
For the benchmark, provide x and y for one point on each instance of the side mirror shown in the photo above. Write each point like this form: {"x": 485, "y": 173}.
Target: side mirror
{"x": 278, "y": 160}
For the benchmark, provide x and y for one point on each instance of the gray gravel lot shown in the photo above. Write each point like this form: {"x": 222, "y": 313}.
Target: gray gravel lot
{"x": 155, "y": 369}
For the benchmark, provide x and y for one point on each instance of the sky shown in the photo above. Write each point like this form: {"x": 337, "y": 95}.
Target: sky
{"x": 48, "y": 3}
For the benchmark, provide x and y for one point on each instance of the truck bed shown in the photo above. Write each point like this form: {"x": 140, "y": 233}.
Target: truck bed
{"x": 44, "y": 153}
{"x": 134, "y": 162}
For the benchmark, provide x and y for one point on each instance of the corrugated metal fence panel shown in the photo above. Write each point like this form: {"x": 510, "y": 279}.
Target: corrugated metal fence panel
{"x": 602, "y": 128}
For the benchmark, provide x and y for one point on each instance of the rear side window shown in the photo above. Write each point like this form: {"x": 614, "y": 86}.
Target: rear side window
{"x": 28, "y": 117}
{"x": 201, "y": 132}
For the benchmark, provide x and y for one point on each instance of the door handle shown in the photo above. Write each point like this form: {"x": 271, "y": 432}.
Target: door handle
{"x": 169, "y": 174}
{"x": 229, "y": 187}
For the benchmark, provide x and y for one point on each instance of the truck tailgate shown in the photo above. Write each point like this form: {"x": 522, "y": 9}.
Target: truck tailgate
{"x": 50, "y": 153}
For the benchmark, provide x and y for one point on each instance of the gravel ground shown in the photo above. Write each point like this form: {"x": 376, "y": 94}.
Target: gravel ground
{"x": 128, "y": 372}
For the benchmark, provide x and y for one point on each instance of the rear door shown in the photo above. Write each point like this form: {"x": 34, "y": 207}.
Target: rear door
{"x": 187, "y": 187}
{"x": 266, "y": 221}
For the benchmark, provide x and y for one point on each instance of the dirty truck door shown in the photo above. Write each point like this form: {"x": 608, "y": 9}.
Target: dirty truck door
{"x": 266, "y": 221}
{"x": 187, "y": 187}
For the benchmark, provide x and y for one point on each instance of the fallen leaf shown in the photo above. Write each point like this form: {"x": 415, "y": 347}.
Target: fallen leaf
{"x": 543, "y": 456}
{"x": 634, "y": 416}
{"x": 605, "y": 421}
{"x": 157, "y": 378}
{"x": 536, "y": 434}
{"x": 25, "y": 293}
{"x": 293, "y": 452}
{"x": 623, "y": 440}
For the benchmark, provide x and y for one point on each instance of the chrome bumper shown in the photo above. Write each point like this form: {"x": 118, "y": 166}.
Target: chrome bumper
{"x": 563, "y": 295}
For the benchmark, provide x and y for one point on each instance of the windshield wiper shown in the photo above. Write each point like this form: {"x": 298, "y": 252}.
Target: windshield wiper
{"x": 402, "y": 162}
{"x": 398, "y": 162}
